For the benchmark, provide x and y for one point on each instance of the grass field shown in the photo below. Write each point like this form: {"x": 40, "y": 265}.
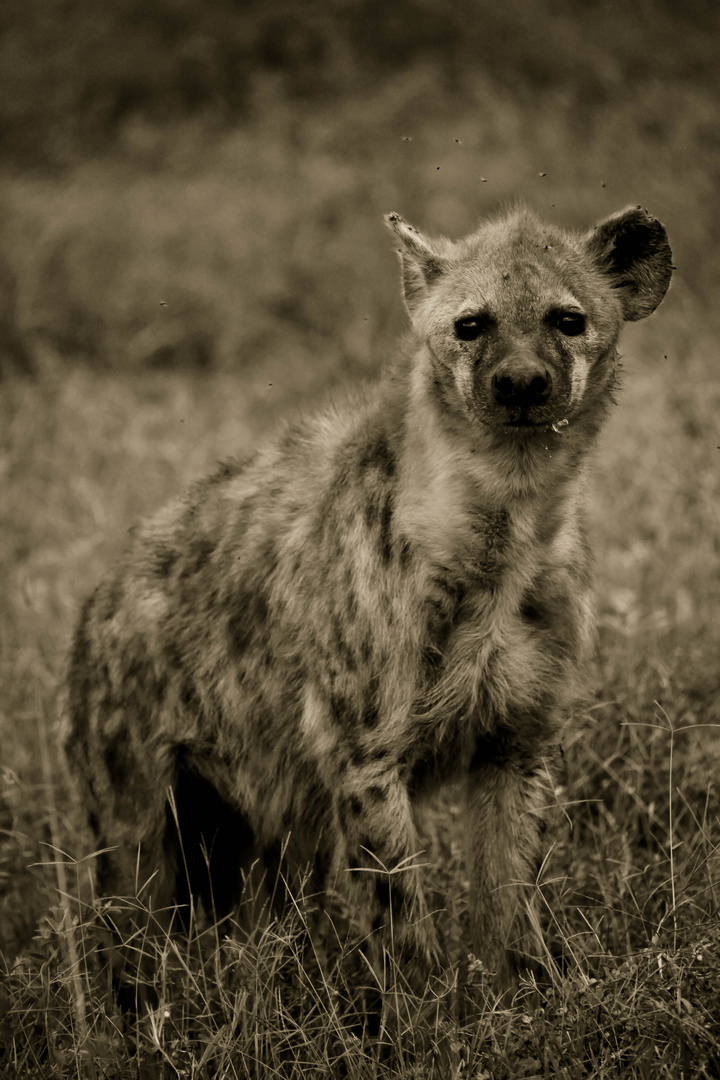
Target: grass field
{"x": 178, "y": 293}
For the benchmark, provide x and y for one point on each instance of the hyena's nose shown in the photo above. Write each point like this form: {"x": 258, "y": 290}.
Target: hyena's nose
{"x": 521, "y": 389}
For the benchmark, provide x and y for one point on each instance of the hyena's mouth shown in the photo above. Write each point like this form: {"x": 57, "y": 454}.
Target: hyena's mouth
{"x": 537, "y": 425}
{"x": 534, "y": 419}
{"x": 527, "y": 423}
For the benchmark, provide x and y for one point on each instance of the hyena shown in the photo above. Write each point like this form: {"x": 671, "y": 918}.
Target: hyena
{"x": 391, "y": 595}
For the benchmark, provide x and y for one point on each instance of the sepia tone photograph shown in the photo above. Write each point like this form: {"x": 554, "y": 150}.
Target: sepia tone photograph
{"x": 360, "y": 543}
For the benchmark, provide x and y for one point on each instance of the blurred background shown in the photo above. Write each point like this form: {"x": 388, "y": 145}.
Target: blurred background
{"x": 191, "y": 243}
{"x": 200, "y": 182}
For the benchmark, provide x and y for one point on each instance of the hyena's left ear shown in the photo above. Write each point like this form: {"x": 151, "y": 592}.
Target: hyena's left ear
{"x": 422, "y": 261}
{"x": 632, "y": 248}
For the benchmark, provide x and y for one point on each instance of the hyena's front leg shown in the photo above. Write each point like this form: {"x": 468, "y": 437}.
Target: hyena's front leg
{"x": 383, "y": 852}
{"x": 507, "y": 801}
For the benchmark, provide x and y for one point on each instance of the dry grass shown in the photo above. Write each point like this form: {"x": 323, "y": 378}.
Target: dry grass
{"x": 177, "y": 297}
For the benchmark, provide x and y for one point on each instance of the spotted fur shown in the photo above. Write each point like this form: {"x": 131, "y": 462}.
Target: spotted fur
{"x": 393, "y": 594}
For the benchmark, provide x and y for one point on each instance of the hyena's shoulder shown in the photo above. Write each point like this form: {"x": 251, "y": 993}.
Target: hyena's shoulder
{"x": 319, "y": 477}
{"x": 275, "y": 530}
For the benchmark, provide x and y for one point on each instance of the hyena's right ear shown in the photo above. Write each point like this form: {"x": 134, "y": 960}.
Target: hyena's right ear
{"x": 632, "y": 249}
{"x": 421, "y": 261}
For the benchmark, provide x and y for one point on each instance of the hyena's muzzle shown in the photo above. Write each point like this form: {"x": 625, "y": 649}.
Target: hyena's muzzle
{"x": 524, "y": 388}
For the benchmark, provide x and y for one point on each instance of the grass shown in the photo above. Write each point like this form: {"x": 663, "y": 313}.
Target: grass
{"x": 180, "y": 293}
{"x": 629, "y": 892}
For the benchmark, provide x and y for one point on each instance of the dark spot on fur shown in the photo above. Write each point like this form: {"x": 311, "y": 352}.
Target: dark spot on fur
{"x": 371, "y": 513}
{"x": 119, "y": 758}
{"x": 356, "y": 805}
{"x": 165, "y": 559}
{"x": 448, "y": 591}
{"x": 351, "y": 605}
{"x": 321, "y": 867}
{"x": 404, "y": 551}
{"x": 345, "y": 652}
{"x": 225, "y": 471}
{"x": 296, "y": 564}
{"x": 386, "y": 530}
{"x": 390, "y": 894}
{"x": 343, "y": 711}
{"x": 199, "y": 556}
{"x": 142, "y": 690}
{"x": 442, "y": 604}
{"x": 556, "y": 616}
{"x": 371, "y": 711}
{"x": 246, "y": 623}
{"x": 365, "y": 849}
{"x": 375, "y": 794}
{"x": 532, "y": 614}
{"x": 173, "y": 653}
{"x": 316, "y": 801}
{"x": 370, "y": 716}
{"x": 346, "y": 811}
{"x": 360, "y": 755}
{"x": 378, "y": 455}
{"x": 189, "y": 698}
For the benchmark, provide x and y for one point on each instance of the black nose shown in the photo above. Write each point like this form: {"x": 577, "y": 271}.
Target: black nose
{"x": 521, "y": 389}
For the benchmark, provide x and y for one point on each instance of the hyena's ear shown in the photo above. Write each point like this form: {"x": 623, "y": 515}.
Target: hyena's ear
{"x": 632, "y": 248}
{"x": 421, "y": 260}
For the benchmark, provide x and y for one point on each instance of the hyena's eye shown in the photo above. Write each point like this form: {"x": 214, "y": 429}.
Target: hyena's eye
{"x": 570, "y": 323}
{"x": 472, "y": 327}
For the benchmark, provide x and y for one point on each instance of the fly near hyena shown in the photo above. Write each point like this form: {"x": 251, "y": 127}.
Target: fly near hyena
{"x": 392, "y": 594}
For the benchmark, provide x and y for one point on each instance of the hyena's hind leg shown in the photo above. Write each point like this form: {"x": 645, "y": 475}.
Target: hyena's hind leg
{"x": 123, "y": 803}
{"x": 133, "y": 887}
{"x": 122, "y": 775}
{"x": 182, "y": 851}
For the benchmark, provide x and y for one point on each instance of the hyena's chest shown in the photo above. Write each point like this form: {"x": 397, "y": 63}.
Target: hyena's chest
{"x": 503, "y": 630}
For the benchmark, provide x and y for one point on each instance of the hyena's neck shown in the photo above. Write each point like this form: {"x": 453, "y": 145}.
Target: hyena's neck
{"x": 458, "y": 481}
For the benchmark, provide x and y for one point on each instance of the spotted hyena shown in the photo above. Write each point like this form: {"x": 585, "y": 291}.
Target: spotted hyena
{"x": 392, "y": 594}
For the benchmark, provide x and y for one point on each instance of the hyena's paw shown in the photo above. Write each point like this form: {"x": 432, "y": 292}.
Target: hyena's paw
{"x": 503, "y": 971}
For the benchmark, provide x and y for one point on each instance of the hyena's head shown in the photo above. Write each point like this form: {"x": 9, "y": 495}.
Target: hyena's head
{"x": 521, "y": 320}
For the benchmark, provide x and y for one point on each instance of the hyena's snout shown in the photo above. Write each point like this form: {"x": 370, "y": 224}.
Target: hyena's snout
{"x": 524, "y": 390}
{"x": 521, "y": 388}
